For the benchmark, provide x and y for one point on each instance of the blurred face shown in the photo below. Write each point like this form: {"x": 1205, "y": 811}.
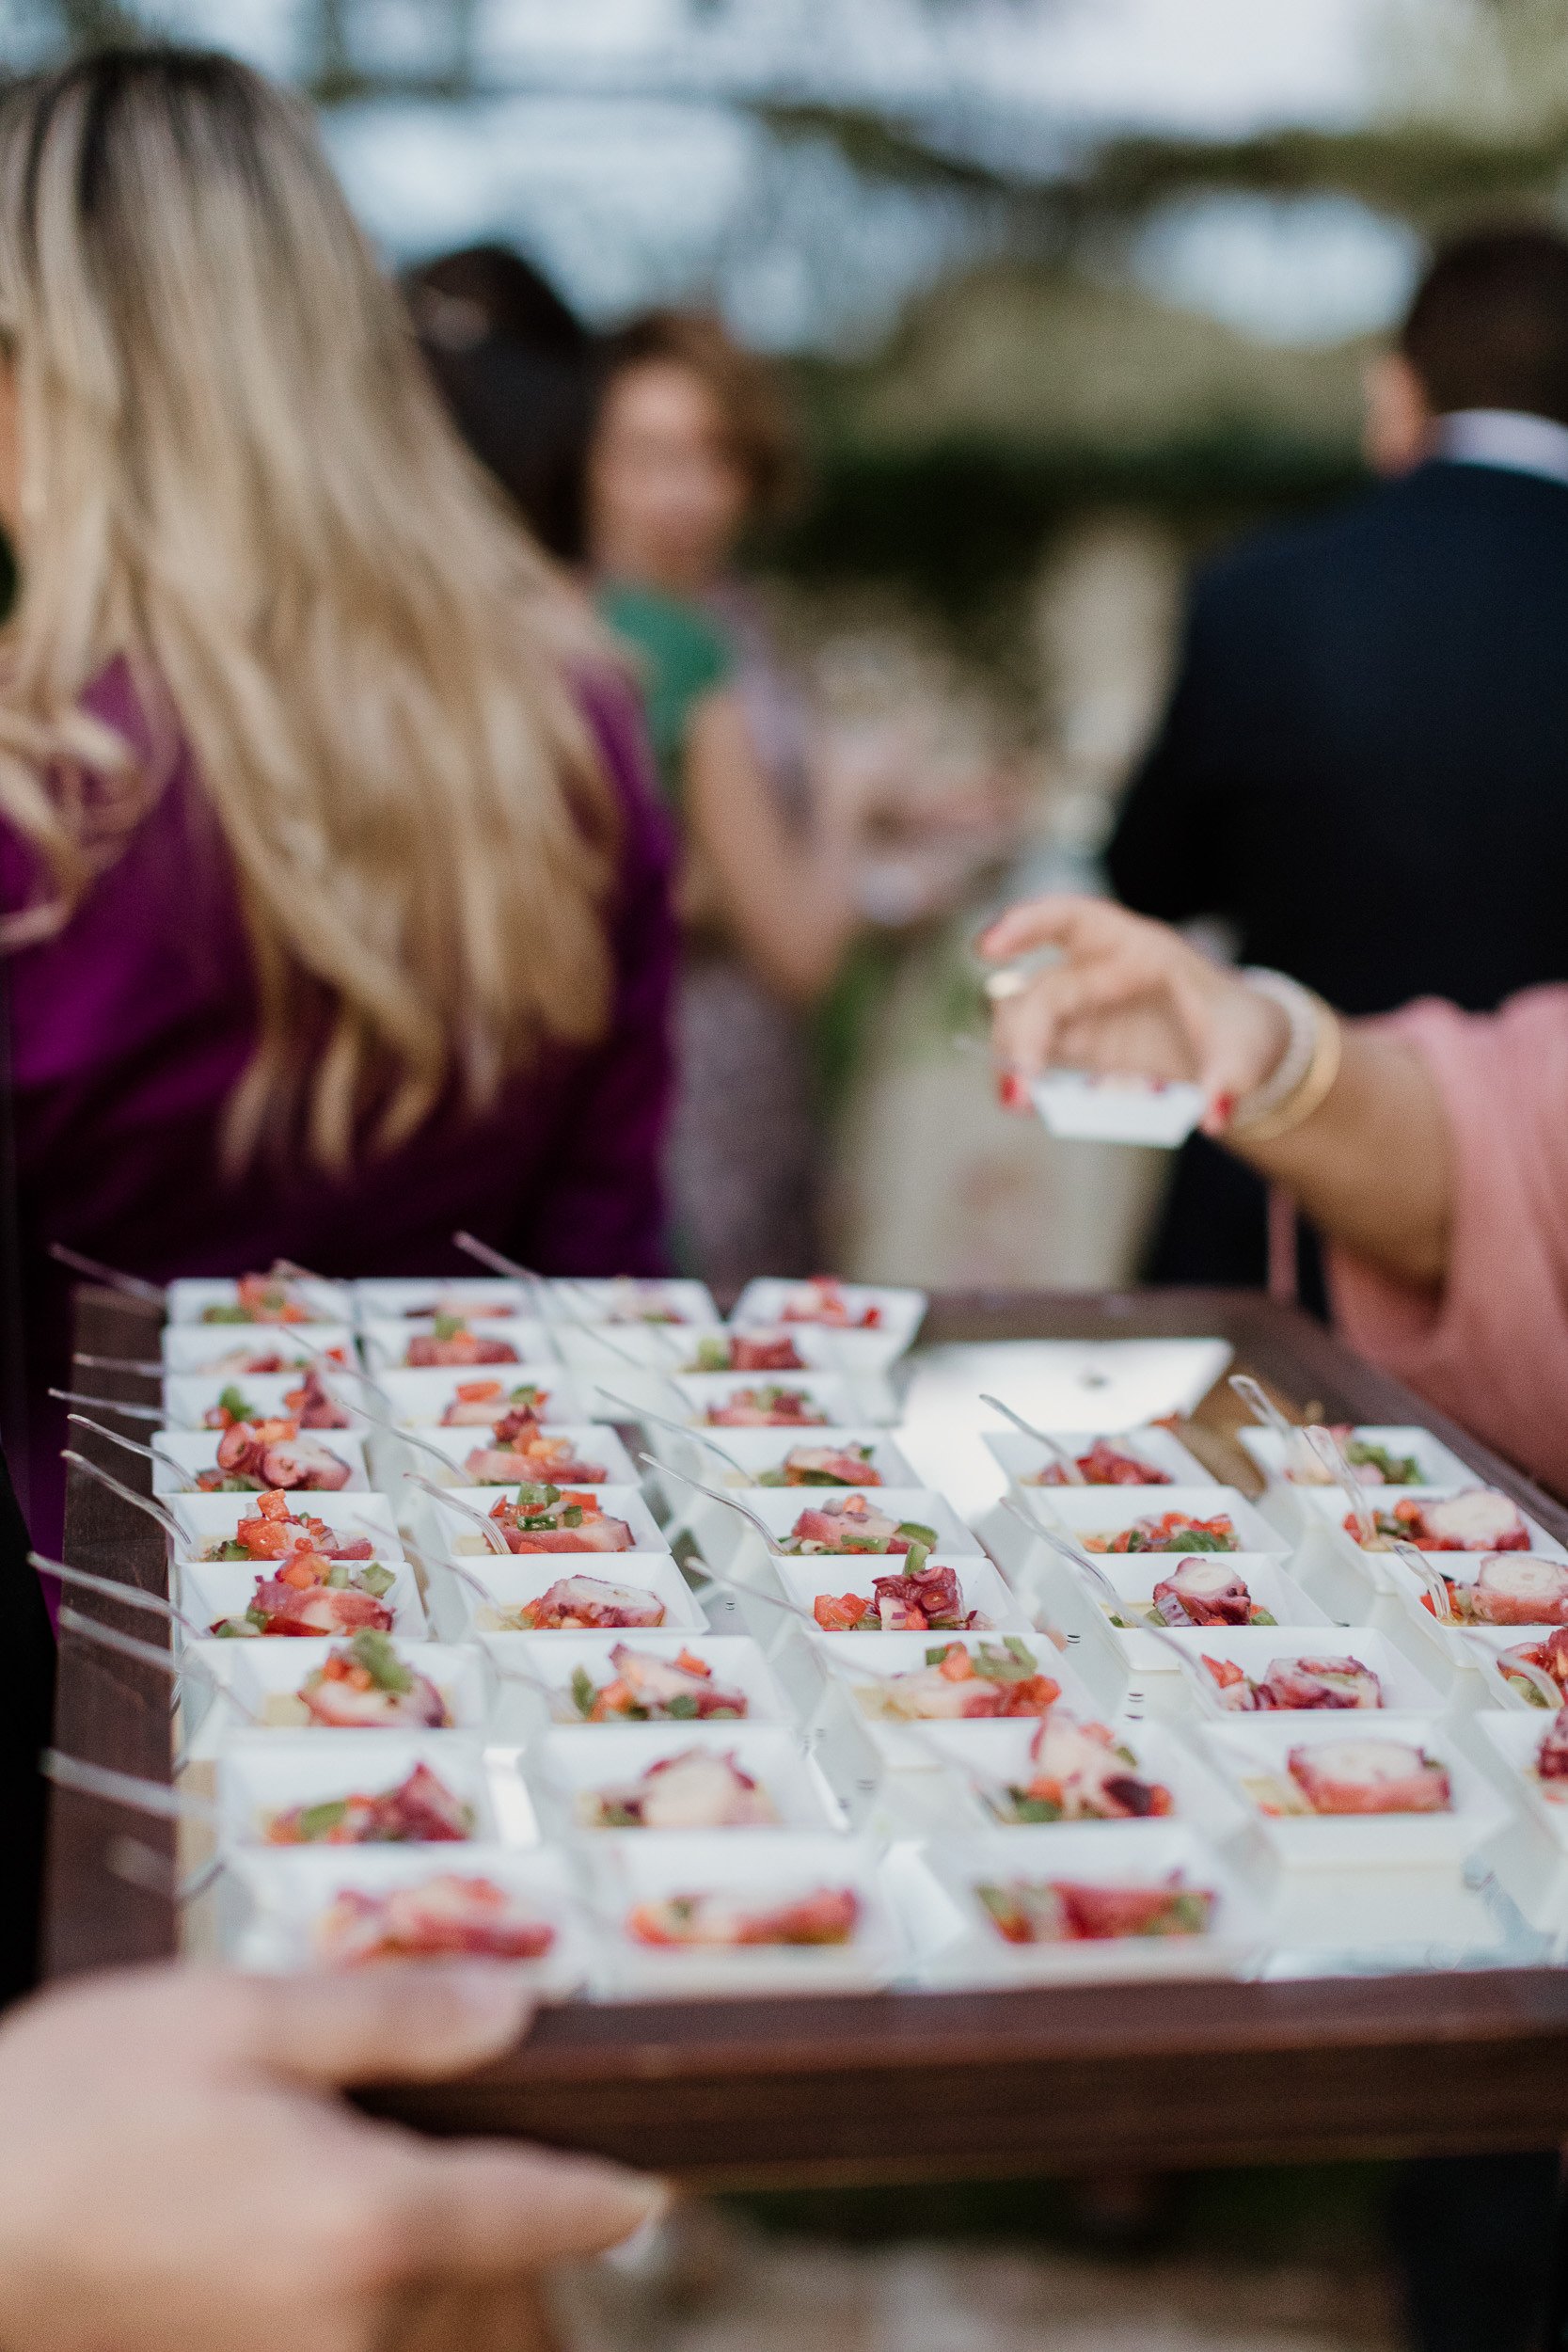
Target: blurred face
{"x": 667, "y": 497}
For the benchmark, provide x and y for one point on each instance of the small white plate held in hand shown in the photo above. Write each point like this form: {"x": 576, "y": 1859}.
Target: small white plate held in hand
{"x": 1081, "y": 1108}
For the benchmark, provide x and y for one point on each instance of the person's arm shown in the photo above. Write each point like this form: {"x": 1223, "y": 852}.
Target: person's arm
{"x": 1371, "y": 1165}
{"x": 786, "y": 898}
{"x": 176, "y": 2174}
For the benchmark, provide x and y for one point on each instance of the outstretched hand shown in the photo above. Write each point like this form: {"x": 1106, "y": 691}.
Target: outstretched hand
{"x": 176, "y": 2175}
{"x": 1128, "y": 998}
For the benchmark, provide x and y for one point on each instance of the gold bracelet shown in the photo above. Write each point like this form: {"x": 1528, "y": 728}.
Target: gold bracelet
{"x": 1309, "y": 1094}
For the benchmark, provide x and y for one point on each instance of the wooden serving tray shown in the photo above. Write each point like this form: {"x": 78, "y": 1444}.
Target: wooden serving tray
{"x": 902, "y": 2085}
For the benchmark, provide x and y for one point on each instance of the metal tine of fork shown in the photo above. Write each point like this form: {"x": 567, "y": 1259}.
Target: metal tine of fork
{"x": 1059, "y": 1454}
{"x": 486, "y": 1526}
{"x": 147, "y": 1653}
{"x": 133, "y": 1596}
{"x": 1072, "y": 1552}
{"x": 143, "y": 1796}
{"x": 111, "y": 1405}
{"x": 141, "y": 1367}
{"x": 663, "y": 1469}
{"x": 132, "y": 1445}
{"x": 1331, "y": 1454}
{"x": 132, "y": 1285}
{"x": 680, "y": 1429}
{"x": 153, "y": 1509}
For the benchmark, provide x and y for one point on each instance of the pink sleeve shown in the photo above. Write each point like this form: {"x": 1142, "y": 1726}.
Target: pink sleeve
{"x": 1493, "y": 1349}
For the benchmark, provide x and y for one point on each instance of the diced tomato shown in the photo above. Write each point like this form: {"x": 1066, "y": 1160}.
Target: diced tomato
{"x": 273, "y": 1506}
{"x": 1224, "y": 1671}
{"x": 688, "y": 1665}
{"x": 475, "y": 1392}
{"x": 839, "y": 1615}
{"x": 957, "y": 1666}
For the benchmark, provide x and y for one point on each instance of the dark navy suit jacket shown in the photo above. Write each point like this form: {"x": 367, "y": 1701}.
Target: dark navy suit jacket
{"x": 1364, "y": 768}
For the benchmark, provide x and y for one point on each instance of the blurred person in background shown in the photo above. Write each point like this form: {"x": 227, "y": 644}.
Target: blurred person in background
{"x": 335, "y": 893}
{"x": 1430, "y": 1149}
{"x": 1362, "y": 767}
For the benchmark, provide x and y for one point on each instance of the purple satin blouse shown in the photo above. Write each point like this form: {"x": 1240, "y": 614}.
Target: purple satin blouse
{"x": 129, "y": 1029}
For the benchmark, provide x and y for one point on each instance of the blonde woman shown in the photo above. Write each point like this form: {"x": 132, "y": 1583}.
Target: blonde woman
{"x": 335, "y": 905}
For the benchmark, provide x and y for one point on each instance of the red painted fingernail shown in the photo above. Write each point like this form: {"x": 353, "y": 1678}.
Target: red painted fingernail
{"x": 1010, "y": 1091}
{"x": 1222, "y": 1108}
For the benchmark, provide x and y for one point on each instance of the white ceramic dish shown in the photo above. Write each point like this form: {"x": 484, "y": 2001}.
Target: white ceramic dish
{"x": 1437, "y": 1466}
{"x": 763, "y": 1872}
{"x": 190, "y": 1301}
{"x": 1328, "y": 1505}
{"x": 850, "y": 1665}
{"x": 1105, "y": 1511}
{"x": 448, "y": 1531}
{"x": 1024, "y": 1458}
{"x": 264, "y": 1676}
{"x": 1254, "y": 1648}
{"x": 837, "y": 1573}
{"x": 694, "y": 1397}
{"x": 629, "y": 1299}
{"x": 212, "y": 1589}
{"x": 226, "y": 1351}
{"x": 190, "y": 1396}
{"x": 1073, "y": 1602}
{"x": 417, "y": 1400}
{"x": 678, "y": 1348}
{"x": 592, "y": 1442}
{"x": 1081, "y": 1108}
{"x": 393, "y": 1300}
{"x": 779, "y": 1508}
{"x": 986, "y": 1757}
{"x": 852, "y": 1348}
{"x": 184, "y": 1452}
{"x": 1514, "y": 1738}
{"x": 958, "y": 1943}
{"x": 289, "y": 1891}
{"x": 1250, "y": 1749}
{"x": 526, "y": 1575}
{"x": 1461, "y": 1644}
{"x": 387, "y": 1343}
{"x": 566, "y": 1765}
{"x": 549, "y": 1662}
{"x": 213, "y": 1519}
{"x": 759, "y": 1452}
{"x": 260, "y": 1774}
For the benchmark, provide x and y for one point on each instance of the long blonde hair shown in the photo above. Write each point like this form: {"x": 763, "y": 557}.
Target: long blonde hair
{"x": 236, "y": 476}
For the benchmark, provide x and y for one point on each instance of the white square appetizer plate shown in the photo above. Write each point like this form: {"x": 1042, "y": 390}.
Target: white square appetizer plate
{"x": 217, "y": 1303}
{"x": 782, "y": 1510}
{"x": 387, "y": 1345}
{"x": 293, "y": 1899}
{"x": 190, "y": 1396}
{"x": 212, "y": 1520}
{"x": 185, "y": 1453}
{"x": 833, "y": 1575}
{"x": 477, "y": 1298}
{"x": 265, "y": 1678}
{"x": 893, "y": 1680}
{"x": 1248, "y": 1657}
{"x": 853, "y": 1345}
{"x": 596, "y": 1781}
{"x": 473, "y": 1458}
{"x": 1469, "y": 1510}
{"x": 1078, "y": 1603}
{"x": 1071, "y": 1877}
{"x": 1014, "y": 1773}
{"x": 1295, "y": 1464}
{"x": 556, "y": 1673}
{"x": 212, "y": 1590}
{"x": 1254, "y": 1752}
{"x": 421, "y": 1400}
{"x": 761, "y": 1457}
{"x": 263, "y": 1775}
{"x": 1100, "y": 1515}
{"x": 625, "y": 1299}
{"x": 1516, "y": 1737}
{"x": 710, "y": 1399}
{"x": 449, "y": 1520}
{"x": 647, "y": 1578}
{"x": 813, "y": 1877}
{"x": 1029, "y": 1464}
{"x": 235, "y": 1351}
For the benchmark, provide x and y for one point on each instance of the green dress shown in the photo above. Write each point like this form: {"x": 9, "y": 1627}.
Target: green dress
{"x": 683, "y": 655}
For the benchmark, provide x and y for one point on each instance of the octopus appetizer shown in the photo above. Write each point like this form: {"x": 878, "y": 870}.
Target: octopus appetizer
{"x": 1169, "y": 1531}
{"x": 696, "y": 1789}
{"x": 1206, "y": 1592}
{"x": 1364, "y": 1777}
{"x": 650, "y": 1689}
{"x": 824, "y": 1466}
{"x": 453, "y": 1341}
{"x": 1082, "y": 1774}
{"x": 746, "y": 1351}
{"x": 1058, "y": 1910}
{"x": 856, "y": 1525}
{"x": 273, "y": 1531}
{"x": 483, "y": 1404}
{"x": 577, "y": 1604}
{"x": 1551, "y": 1759}
{"x": 442, "y": 1918}
{"x": 1479, "y": 1520}
{"x": 1295, "y": 1684}
{"x": 1373, "y": 1464}
{"x": 1509, "y": 1588}
{"x": 956, "y": 1684}
{"x": 928, "y": 1600}
{"x": 421, "y": 1810}
{"x": 261, "y": 1298}
{"x": 823, "y": 1300}
{"x": 768, "y": 1407}
{"x": 522, "y": 1452}
{"x": 309, "y": 1596}
{"x": 367, "y": 1686}
{"x": 830, "y": 1915}
{"x": 257, "y": 1456}
{"x": 557, "y": 1518}
{"x": 1549, "y": 1658}
{"x": 1103, "y": 1465}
